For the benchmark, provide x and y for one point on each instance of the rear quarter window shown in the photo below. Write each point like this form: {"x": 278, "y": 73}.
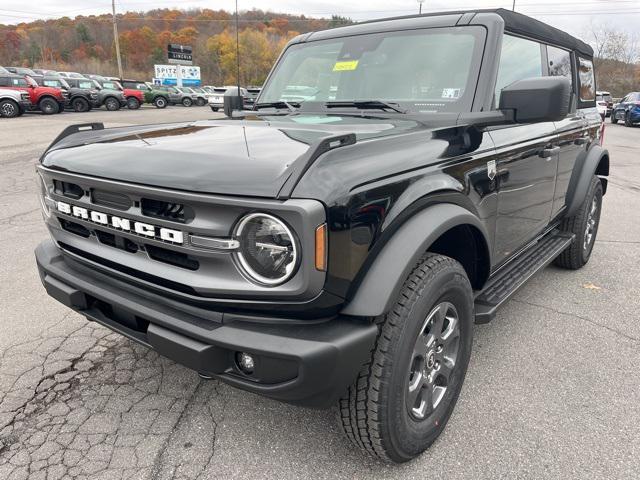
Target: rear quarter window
{"x": 587, "y": 82}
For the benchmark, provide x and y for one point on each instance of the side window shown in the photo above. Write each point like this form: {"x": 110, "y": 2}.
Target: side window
{"x": 19, "y": 82}
{"x": 519, "y": 59}
{"x": 559, "y": 63}
{"x": 587, "y": 81}
{"x": 4, "y": 82}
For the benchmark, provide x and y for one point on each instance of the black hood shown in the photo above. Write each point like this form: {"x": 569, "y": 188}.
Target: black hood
{"x": 251, "y": 157}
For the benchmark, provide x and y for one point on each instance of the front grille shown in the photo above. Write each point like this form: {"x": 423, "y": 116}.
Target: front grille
{"x": 74, "y": 228}
{"x": 118, "y": 201}
{"x": 117, "y": 242}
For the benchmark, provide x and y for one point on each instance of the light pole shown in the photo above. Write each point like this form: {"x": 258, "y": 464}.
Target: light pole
{"x": 420, "y": 2}
{"x": 513, "y": 8}
{"x": 115, "y": 37}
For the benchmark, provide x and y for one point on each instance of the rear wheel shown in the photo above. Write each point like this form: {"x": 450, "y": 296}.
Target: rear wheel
{"x": 201, "y": 102}
{"x": 584, "y": 224}
{"x": 187, "y": 102}
{"x": 80, "y": 105}
{"x": 133, "y": 103}
{"x": 627, "y": 120}
{"x": 9, "y": 108}
{"x": 160, "y": 102}
{"x": 48, "y": 106}
{"x": 214, "y": 109}
{"x": 112, "y": 104}
{"x": 403, "y": 397}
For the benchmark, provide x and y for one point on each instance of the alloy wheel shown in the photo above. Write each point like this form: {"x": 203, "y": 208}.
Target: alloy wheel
{"x": 8, "y": 110}
{"x": 592, "y": 220}
{"x": 433, "y": 360}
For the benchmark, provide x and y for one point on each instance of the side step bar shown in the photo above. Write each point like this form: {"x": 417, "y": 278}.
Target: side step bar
{"x": 500, "y": 288}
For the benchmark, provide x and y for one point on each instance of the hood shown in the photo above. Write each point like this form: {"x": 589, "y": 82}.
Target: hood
{"x": 252, "y": 157}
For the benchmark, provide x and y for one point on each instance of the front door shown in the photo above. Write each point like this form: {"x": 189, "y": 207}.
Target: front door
{"x": 526, "y": 164}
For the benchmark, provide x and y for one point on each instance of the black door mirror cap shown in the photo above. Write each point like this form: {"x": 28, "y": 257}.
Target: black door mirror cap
{"x": 537, "y": 99}
{"x": 233, "y": 101}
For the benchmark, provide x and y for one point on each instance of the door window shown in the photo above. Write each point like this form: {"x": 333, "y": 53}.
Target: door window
{"x": 559, "y": 62}
{"x": 519, "y": 59}
{"x": 19, "y": 82}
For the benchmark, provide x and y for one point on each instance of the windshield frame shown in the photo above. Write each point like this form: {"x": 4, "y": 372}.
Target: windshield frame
{"x": 465, "y": 103}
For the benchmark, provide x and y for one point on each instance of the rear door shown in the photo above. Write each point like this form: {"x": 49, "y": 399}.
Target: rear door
{"x": 572, "y": 131}
{"x": 526, "y": 160}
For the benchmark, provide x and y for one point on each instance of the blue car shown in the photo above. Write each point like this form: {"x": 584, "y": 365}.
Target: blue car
{"x": 628, "y": 110}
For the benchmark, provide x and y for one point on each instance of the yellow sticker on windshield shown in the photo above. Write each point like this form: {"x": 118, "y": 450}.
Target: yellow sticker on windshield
{"x": 345, "y": 66}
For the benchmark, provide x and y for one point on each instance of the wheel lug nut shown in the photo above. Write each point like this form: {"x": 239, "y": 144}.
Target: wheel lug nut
{"x": 439, "y": 348}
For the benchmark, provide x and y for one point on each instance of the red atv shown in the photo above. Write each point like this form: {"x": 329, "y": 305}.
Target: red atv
{"x": 48, "y": 100}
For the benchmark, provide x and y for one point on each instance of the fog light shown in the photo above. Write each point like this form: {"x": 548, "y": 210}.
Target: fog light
{"x": 245, "y": 362}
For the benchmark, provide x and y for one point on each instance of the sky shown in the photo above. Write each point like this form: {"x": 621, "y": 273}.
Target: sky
{"x": 574, "y": 16}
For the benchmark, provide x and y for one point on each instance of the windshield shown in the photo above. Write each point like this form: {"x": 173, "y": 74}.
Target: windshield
{"x": 425, "y": 70}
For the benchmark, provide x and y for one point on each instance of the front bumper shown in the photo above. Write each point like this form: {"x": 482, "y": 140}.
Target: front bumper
{"x": 25, "y": 105}
{"x": 309, "y": 364}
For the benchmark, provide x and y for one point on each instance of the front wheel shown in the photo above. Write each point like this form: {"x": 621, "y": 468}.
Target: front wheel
{"x": 187, "y": 102}
{"x": 214, "y": 109}
{"x": 112, "y": 104}
{"x": 160, "y": 102}
{"x": 133, "y": 103}
{"x": 584, "y": 224}
{"x": 9, "y": 108}
{"x": 627, "y": 120}
{"x": 80, "y": 105}
{"x": 403, "y": 397}
{"x": 48, "y": 106}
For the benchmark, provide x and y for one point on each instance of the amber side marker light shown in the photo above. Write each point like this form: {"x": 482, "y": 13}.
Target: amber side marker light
{"x": 321, "y": 247}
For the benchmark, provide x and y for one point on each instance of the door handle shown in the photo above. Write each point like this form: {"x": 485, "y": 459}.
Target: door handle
{"x": 581, "y": 140}
{"x": 549, "y": 152}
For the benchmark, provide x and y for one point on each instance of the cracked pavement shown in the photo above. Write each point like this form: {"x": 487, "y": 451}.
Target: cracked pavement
{"x": 552, "y": 391}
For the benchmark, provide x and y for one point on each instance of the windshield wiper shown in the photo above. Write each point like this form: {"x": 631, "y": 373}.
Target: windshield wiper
{"x": 364, "y": 104}
{"x": 279, "y": 104}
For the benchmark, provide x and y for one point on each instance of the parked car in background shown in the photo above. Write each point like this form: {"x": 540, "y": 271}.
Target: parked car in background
{"x": 161, "y": 96}
{"x": 628, "y": 110}
{"x": 601, "y": 105}
{"x": 4, "y": 71}
{"x": 251, "y": 96}
{"x": 112, "y": 98}
{"x": 71, "y": 75}
{"x": 21, "y": 71}
{"x": 189, "y": 96}
{"x": 81, "y": 90}
{"x": 45, "y": 72}
{"x": 133, "y": 98}
{"x": 605, "y": 98}
{"x": 13, "y": 103}
{"x": 48, "y": 100}
{"x": 202, "y": 96}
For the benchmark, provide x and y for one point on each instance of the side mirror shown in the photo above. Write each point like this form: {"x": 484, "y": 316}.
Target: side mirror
{"x": 233, "y": 100}
{"x": 538, "y": 99}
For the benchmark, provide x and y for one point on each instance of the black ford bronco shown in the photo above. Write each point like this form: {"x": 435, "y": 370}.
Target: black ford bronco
{"x": 336, "y": 246}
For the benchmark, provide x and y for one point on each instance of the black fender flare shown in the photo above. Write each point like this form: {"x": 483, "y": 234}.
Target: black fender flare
{"x": 382, "y": 283}
{"x": 586, "y": 166}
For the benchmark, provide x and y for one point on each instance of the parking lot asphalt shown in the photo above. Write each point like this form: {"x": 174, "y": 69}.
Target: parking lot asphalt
{"x": 552, "y": 391}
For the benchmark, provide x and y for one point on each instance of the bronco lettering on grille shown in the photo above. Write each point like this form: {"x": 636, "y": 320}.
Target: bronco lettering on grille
{"x": 122, "y": 224}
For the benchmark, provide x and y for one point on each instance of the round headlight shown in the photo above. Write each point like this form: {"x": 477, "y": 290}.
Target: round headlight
{"x": 268, "y": 253}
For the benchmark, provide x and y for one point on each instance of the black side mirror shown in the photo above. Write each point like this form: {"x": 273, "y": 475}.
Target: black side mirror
{"x": 233, "y": 100}
{"x": 538, "y": 99}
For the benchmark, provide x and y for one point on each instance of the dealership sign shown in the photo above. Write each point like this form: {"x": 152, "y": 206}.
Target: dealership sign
{"x": 168, "y": 74}
{"x": 180, "y": 54}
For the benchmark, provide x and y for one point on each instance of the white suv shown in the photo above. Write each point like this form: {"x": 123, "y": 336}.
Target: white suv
{"x": 13, "y": 103}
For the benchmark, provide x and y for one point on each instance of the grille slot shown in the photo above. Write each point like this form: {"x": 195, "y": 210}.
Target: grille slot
{"x": 116, "y": 242}
{"x": 74, "y": 228}
{"x": 118, "y": 201}
{"x": 172, "y": 258}
{"x": 67, "y": 189}
{"x": 163, "y": 282}
{"x": 175, "y": 212}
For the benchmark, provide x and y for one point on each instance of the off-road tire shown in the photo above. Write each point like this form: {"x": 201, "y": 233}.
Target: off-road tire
{"x": 577, "y": 255}
{"x": 187, "y": 102}
{"x": 9, "y": 108}
{"x": 80, "y": 105}
{"x": 160, "y": 102}
{"x": 48, "y": 106}
{"x": 112, "y": 104}
{"x": 133, "y": 103}
{"x": 373, "y": 413}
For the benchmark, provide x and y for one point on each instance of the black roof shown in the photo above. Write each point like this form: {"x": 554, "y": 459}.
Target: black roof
{"x": 519, "y": 24}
